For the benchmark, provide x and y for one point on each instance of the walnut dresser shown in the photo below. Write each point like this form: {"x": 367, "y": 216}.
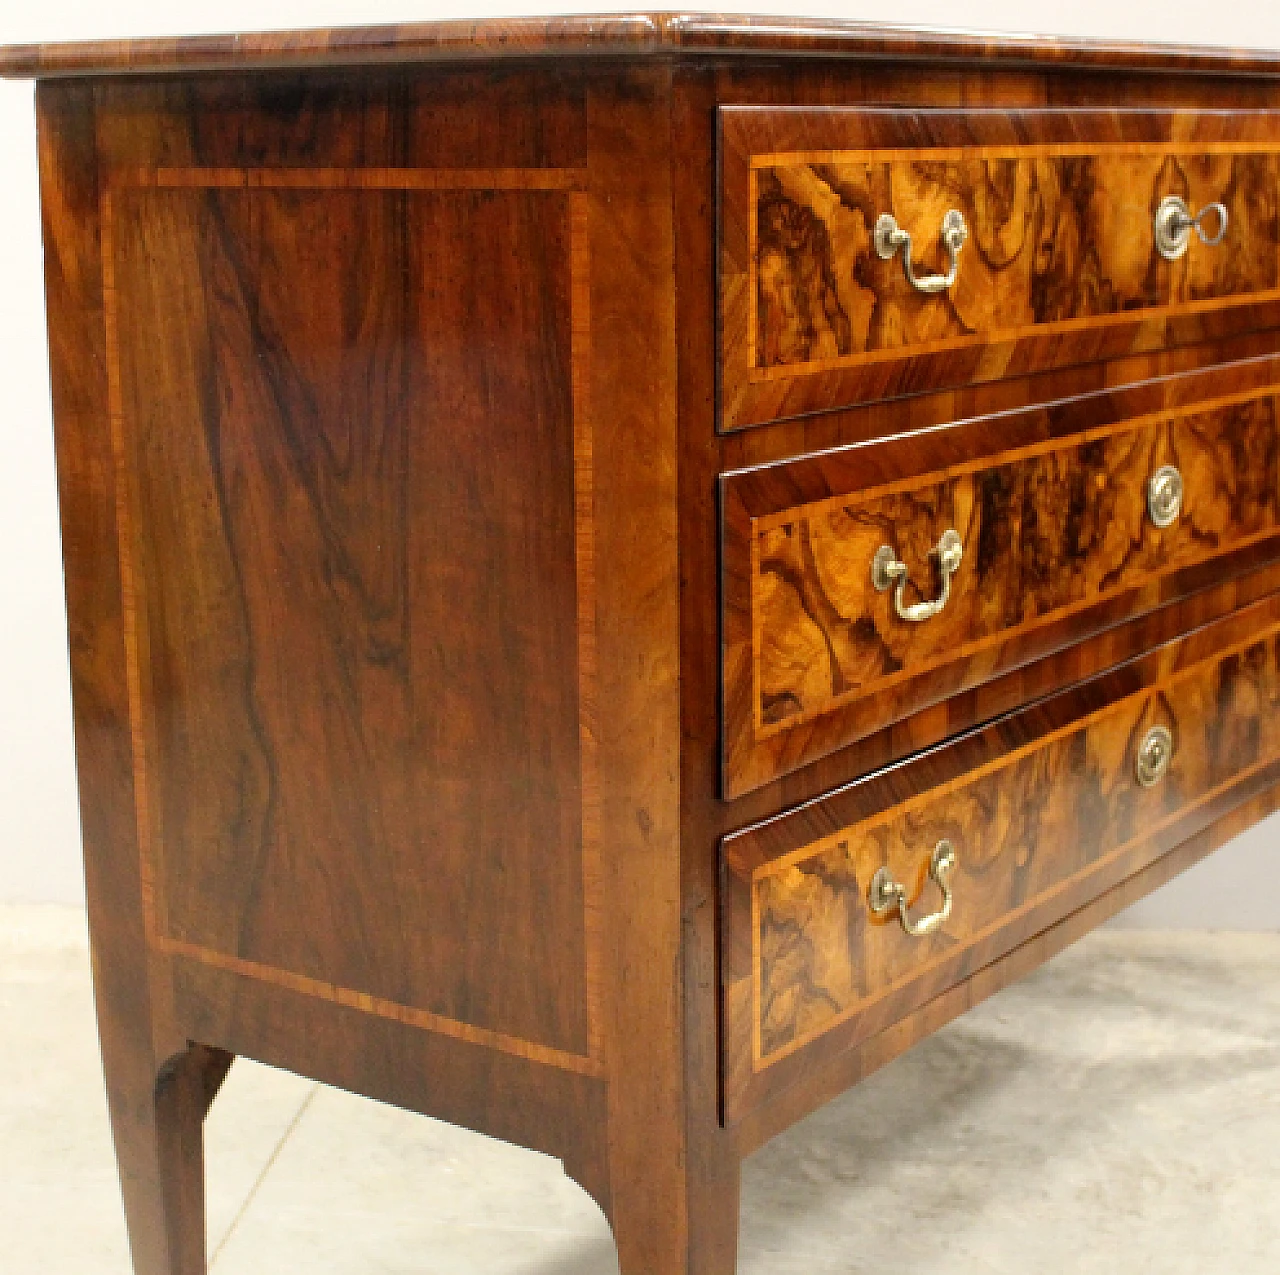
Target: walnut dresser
{"x": 623, "y": 571}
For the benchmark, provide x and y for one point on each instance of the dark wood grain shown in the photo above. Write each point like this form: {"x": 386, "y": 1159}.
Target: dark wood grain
{"x": 657, "y": 34}
{"x": 444, "y": 125}
{"x": 290, "y": 506}
{"x": 712, "y": 1150}
{"x": 389, "y": 466}
{"x": 158, "y": 1089}
{"x": 1056, "y": 530}
{"x": 1060, "y": 265}
{"x": 633, "y": 384}
{"x": 1040, "y": 807}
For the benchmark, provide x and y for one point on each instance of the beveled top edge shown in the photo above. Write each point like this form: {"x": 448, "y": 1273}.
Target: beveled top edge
{"x": 625, "y": 35}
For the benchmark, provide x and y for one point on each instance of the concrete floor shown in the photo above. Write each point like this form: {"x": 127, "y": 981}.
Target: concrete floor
{"x": 1117, "y": 1112}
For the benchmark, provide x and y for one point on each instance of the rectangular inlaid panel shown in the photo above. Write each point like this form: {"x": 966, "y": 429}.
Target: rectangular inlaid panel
{"x": 348, "y": 442}
{"x": 817, "y": 656}
{"x": 1059, "y": 266}
{"x": 1043, "y": 814}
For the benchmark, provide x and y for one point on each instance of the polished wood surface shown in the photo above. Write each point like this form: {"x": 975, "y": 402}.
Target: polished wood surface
{"x": 1053, "y": 527}
{"x": 1137, "y": 378}
{"x": 391, "y": 475}
{"x": 828, "y": 1079}
{"x": 1040, "y": 808}
{"x": 649, "y": 34}
{"x": 155, "y": 1084}
{"x": 654, "y": 1206}
{"x": 370, "y": 567}
{"x": 290, "y": 477}
{"x": 1060, "y": 208}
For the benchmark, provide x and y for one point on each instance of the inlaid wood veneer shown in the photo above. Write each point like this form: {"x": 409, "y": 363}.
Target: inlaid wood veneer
{"x": 398, "y": 382}
{"x": 816, "y": 656}
{"x": 251, "y": 459}
{"x": 1060, "y": 264}
{"x": 1040, "y": 812}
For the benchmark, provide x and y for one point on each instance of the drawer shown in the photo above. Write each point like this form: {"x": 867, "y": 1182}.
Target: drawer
{"x": 1061, "y": 260}
{"x": 1041, "y": 812}
{"x": 863, "y": 584}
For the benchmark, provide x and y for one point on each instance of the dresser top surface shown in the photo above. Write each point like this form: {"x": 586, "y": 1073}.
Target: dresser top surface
{"x": 623, "y": 35}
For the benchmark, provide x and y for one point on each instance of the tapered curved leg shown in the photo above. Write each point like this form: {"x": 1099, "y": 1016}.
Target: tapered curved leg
{"x": 708, "y": 1238}
{"x": 158, "y": 1122}
{"x": 704, "y": 1242}
{"x": 674, "y": 1213}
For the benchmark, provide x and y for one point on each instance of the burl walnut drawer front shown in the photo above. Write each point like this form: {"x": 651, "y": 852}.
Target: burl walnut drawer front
{"x": 990, "y": 839}
{"x": 863, "y": 584}
{"x": 867, "y": 253}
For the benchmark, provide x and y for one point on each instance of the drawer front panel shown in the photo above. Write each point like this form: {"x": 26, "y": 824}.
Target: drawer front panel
{"x": 1044, "y": 811}
{"x": 1061, "y": 263}
{"x": 1057, "y": 537}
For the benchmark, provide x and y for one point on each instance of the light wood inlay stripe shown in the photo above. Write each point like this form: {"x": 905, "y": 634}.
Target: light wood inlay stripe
{"x": 588, "y": 672}
{"x": 995, "y": 336}
{"x": 571, "y": 183}
{"x": 761, "y": 1061}
{"x": 1061, "y": 150}
{"x": 128, "y": 574}
{"x": 380, "y": 1008}
{"x": 531, "y": 179}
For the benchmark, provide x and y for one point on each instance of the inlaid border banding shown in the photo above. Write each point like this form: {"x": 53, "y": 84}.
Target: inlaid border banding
{"x": 858, "y": 499}
{"x": 571, "y": 185}
{"x": 755, "y": 138}
{"x": 759, "y": 872}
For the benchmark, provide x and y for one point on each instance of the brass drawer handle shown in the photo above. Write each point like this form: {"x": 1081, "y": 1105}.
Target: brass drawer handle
{"x": 889, "y": 237}
{"x": 886, "y": 894}
{"x": 1155, "y": 753}
{"x": 1164, "y": 496}
{"x": 887, "y": 570}
{"x": 1174, "y": 224}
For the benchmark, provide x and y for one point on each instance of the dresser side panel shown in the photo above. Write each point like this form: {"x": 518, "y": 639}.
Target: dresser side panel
{"x": 135, "y": 1022}
{"x": 95, "y": 612}
{"x": 351, "y": 441}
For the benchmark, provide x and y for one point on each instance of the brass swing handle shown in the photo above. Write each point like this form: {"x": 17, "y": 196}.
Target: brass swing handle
{"x": 889, "y": 237}
{"x": 886, "y": 894}
{"x": 887, "y": 571}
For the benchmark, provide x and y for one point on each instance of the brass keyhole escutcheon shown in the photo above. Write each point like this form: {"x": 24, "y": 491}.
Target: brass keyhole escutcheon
{"x": 1174, "y": 223}
{"x": 1164, "y": 496}
{"x": 1155, "y": 754}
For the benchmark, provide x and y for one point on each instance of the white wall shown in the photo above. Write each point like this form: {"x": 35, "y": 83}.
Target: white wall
{"x": 39, "y": 847}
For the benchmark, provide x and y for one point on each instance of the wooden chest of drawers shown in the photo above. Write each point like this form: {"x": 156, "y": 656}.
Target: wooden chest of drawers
{"x": 622, "y": 571}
